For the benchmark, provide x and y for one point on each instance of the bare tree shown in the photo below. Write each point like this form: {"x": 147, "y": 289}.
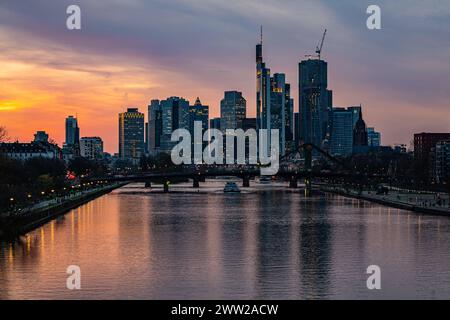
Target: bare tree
{"x": 3, "y": 134}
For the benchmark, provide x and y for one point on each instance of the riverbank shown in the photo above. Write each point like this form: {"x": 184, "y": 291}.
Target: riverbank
{"x": 422, "y": 202}
{"x": 13, "y": 224}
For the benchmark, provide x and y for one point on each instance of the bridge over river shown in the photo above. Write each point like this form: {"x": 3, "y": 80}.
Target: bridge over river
{"x": 291, "y": 168}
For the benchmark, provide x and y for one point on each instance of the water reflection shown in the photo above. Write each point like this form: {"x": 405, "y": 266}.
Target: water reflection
{"x": 270, "y": 244}
{"x": 273, "y": 241}
{"x": 314, "y": 241}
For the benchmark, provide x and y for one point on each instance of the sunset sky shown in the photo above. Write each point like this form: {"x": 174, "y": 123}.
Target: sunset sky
{"x": 131, "y": 51}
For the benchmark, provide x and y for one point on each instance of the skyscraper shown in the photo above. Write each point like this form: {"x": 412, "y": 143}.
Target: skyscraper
{"x": 131, "y": 135}
{"x": 154, "y": 127}
{"x": 72, "y": 131}
{"x": 232, "y": 114}
{"x": 198, "y": 113}
{"x": 232, "y": 110}
{"x": 175, "y": 115}
{"x": 315, "y": 101}
{"x": 281, "y": 111}
{"x": 263, "y": 96}
{"x": 71, "y": 147}
{"x": 342, "y": 132}
{"x": 274, "y": 106}
{"x": 289, "y": 120}
{"x": 91, "y": 147}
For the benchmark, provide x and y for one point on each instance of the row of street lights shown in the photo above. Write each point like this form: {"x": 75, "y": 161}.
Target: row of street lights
{"x": 12, "y": 200}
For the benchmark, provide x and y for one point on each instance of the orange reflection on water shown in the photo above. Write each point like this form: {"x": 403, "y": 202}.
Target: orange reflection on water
{"x": 135, "y": 244}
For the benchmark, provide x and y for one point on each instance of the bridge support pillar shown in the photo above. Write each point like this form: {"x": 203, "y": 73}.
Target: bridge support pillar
{"x": 308, "y": 187}
{"x": 166, "y": 186}
{"x": 246, "y": 182}
{"x": 196, "y": 183}
{"x": 148, "y": 184}
{"x": 293, "y": 182}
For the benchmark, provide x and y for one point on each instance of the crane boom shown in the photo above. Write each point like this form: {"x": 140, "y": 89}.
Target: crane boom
{"x": 319, "y": 47}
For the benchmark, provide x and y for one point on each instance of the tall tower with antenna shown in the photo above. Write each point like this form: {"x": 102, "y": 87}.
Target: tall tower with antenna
{"x": 274, "y": 107}
{"x": 262, "y": 88}
{"x": 259, "y": 57}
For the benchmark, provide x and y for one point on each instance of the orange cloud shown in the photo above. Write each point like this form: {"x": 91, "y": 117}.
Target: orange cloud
{"x": 42, "y": 83}
{"x": 37, "y": 95}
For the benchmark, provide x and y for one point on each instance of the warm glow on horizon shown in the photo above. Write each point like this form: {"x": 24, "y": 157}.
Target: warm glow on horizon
{"x": 8, "y": 106}
{"x": 38, "y": 94}
{"x": 41, "y": 87}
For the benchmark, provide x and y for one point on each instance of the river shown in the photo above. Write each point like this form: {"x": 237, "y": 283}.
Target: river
{"x": 269, "y": 242}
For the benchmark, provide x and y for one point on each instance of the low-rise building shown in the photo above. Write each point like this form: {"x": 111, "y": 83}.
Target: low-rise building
{"x": 91, "y": 147}
{"x": 25, "y": 151}
{"x": 440, "y": 162}
{"x": 373, "y": 137}
{"x": 423, "y": 142}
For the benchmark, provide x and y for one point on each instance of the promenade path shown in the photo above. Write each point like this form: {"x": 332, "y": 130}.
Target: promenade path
{"x": 409, "y": 199}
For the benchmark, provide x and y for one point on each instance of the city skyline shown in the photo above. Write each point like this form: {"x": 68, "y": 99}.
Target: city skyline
{"x": 237, "y": 154}
{"x": 89, "y": 73}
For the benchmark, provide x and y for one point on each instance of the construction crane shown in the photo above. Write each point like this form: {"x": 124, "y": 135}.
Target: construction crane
{"x": 319, "y": 47}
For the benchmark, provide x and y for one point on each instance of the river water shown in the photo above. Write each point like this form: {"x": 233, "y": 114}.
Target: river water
{"x": 269, "y": 242}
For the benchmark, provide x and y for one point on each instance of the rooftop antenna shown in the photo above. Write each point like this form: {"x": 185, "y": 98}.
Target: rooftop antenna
{"x": 261, "y": 35}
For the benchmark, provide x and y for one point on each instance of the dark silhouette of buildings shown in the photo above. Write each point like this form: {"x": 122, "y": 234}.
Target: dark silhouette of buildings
{"x": 154, "y": 127}
{"x": 315, "y": 102}
{"x": 233, "y": 110}
{"x": 360, "y": 133}
{"x": 423, "y": 142}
